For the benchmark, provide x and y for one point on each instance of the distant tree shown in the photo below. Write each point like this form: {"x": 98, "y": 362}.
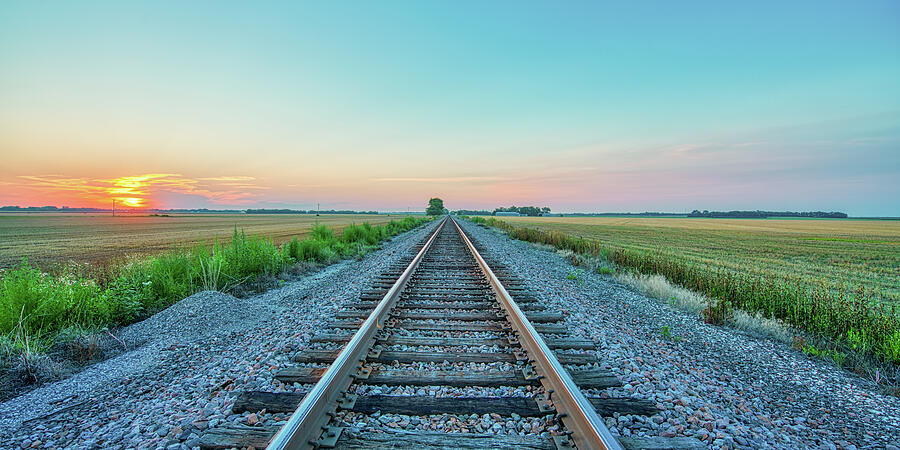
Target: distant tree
{"x": 765, "y": 214}
{"x": 435, "y": 207}
{"x": 472, "y": 212}
{"x": 524, "y": 210}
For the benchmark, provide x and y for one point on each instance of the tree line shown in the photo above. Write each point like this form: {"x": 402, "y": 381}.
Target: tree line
{"x": 311, "y": 211}
{"x": 523, "y": 210}
{"x": 764, "y": 214}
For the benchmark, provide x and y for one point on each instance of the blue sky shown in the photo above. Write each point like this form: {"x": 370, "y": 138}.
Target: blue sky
{"x": 580, "y": 105}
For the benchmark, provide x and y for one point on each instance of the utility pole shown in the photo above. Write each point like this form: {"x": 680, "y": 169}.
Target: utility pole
{"x": 114, "y": 207}
{"x": 318, "y": 207}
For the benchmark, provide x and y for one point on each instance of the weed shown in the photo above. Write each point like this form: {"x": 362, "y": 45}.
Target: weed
{"x": 813, "y": 305}
{"x": 83, "y": 343}
{"x": 658, "y": 287}
{"x": 838, "y": 357}
{"x": 759, "y": 324}
{"x": 36, "y": 307}
{"x": 799, "y": 342}
{"x": 834, "y": 354}
{"x": 34, "y": 302}
{"x": 96, "y": 241}
{"x": 29, "y": 351}
{"x": 812, "y": 350}
{"x": 210, "y": 271}
{"x": 291, "y": 249}
{"x": 891, "y": 347}
{"x": 857, "y": 341}
{"x": 665, "y": 332}
{"x": 605, "y": 271}
{"x": 716, "y": 313}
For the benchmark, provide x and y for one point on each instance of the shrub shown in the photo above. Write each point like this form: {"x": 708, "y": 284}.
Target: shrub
{"x": 246, "y": 257}
{"x": 291, "y": 249}
{"x": 169, "y": 278}
{"x": 132, "y": 293}
{"x": 363, "y": 234}
{"x": 322, "y": 233}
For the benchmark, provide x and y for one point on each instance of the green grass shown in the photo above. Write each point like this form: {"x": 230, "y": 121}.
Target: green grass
{"x": 666, "y": 332}
{"x": 856, "y": 316}
{"x": 573, "y": 275}
{"x": 41, "y": 302}
{"x": 35, "y": 306}
{"x": 53, "y": 239}
{"x": 837, "y": 254}
{"x": 861, "y": 241}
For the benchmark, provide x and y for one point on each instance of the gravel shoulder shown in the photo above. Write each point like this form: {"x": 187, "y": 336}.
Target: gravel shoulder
{"x": 183, "y": 363}
{"x": 717, "y": 384}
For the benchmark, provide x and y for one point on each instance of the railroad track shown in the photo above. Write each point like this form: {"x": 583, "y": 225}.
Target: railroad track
{"x": 449, "y": 336}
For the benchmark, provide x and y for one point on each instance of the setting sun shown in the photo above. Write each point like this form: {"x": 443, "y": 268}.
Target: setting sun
{"x": 131, "y": 191}
{"x": 273, "y": 224}
{"x": 139, "y": 191}
{"x": 131, "y": 201}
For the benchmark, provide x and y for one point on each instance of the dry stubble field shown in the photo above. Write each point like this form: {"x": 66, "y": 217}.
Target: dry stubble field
{"x": 851, "y": 253}
{"x": 50, "y": 238}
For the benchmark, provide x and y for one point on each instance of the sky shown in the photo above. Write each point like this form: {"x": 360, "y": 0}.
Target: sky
{"x": 579, "y": 106}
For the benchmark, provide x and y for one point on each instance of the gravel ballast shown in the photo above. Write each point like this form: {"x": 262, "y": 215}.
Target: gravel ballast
{"x": 717, "y": 384}
{"x": 184, "y": 363}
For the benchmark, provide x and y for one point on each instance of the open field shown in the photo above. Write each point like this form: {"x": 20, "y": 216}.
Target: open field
{"x": 52, "y": 238}
{"x": 836, "y": 280}
{"x": 849, "y": 253}
{"x": 36, "y": 308}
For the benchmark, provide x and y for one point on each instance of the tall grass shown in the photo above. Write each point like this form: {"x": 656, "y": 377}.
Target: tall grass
{"x": 34, "y": 301}
{"x": 36, "y": 306}
{"x": 852, "y": 318}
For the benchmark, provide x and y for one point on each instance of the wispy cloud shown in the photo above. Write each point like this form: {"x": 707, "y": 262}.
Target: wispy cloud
{"x": 139, "y": 191}
{"x": 227, "y": 179}
{"x": 436, "y": 179}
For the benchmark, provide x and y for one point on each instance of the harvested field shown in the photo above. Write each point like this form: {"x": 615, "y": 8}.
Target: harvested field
{"x": 837, "y": 253}
{"x": 51, "y": 238}
{"x": 187, "y": 381}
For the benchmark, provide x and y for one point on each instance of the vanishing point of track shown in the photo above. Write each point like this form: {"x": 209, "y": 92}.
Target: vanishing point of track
{"x": 439, "y": 318}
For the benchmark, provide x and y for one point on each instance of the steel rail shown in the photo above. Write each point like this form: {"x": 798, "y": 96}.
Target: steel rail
{"x": 577, "y": 413}
{"x": 305, "y": 425}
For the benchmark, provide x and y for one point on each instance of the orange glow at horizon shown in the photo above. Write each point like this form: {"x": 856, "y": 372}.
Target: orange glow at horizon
{"x": 132, "y": 202}
{"x": 139, "y": 191}
{"x": 132, "y": 191}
